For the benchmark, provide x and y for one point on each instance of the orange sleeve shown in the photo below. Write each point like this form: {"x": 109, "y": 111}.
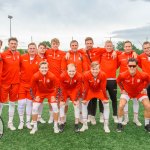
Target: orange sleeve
{"x": 63, "y": 64}
{"x": 119, "y": 81}
{"x": 139, "y": 61}
{"x": 84, "y": 63}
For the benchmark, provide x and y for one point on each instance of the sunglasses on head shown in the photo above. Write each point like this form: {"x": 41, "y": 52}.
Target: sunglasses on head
{"x": 132, "y": 66}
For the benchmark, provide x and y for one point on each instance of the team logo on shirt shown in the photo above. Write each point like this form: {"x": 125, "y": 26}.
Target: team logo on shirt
{"x": 138, "y": 80}
{"x": 8, "y": 56}
{"x": 25, "y": 60}
{"x": 40, "y": 80}
{"x": 98, "y": 81}
{"x": 58, "y": 55}
{"x": 66, "y": 81}
{"x": 48, "y": 80}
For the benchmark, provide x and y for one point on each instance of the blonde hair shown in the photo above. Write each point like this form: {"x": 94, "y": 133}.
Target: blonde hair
{"x": 95, "y": 64}
{"x": 55, "y": 40}
{"x": 43, "y": 63}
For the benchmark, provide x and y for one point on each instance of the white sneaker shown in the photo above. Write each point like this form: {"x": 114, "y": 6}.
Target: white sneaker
{"x": 20, "y": 127}
{"x": 11, "y": 126}
{"x": 84, "y": 127}
{"x": 137, "y": 122}
{"x": 41, "y": 120}
{"x": 28, "y": 125}
{"x": 101, "y": 119}
{"x": 33, "y": 131}
{"x": 115, "y": 119}
{"x": 56, "y": 129}
{"x": 89, "y": 118}
{"x": 125, "y": 122}
{"x": 106, "y": 129}
{"x": 93, "y": 121}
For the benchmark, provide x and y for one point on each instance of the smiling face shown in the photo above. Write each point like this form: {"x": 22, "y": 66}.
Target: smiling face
{"x": 146, "y": 49}
{"x": 13, "y": 45}
{"x": 109, "y": 46}
{"x": 41, "y": 49}
{"x": 89, "y": 44}
{"x": 43, "y": 68}
{"x": 74, "y": 46}
{"x": 95, "y": 70}
{"x": 71, "y": 70}
{"x": 32, "y": 50}
{"x": 127, "y": 47}
{"x": 132, "y": 66}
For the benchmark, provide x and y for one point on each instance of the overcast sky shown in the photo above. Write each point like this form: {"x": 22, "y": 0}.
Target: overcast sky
{"x": 64, "y": 19}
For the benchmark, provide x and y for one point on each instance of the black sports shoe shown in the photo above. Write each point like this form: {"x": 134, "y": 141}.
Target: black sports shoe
{"x": 147, "y": 128}
{"x": 119, "y": 127}
{"x": 76, "y": 128}
{"x": 61, "y": 127}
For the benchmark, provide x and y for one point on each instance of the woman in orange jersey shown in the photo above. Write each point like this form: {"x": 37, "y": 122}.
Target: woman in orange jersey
{"x": 70, "y": 85}
{"x": 132, "y": 84}
{"x": 44, "y": 85}
{"x": 94, "y": 86}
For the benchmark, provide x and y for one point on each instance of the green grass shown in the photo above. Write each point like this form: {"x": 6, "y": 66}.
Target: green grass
{"x": 133, "y": 137}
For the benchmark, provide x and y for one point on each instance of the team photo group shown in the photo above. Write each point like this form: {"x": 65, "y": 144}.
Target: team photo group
{"x": 86, "y": 77}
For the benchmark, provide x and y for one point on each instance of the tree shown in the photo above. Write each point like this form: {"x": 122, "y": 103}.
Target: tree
{"x": 47, "y": 43}
{"x": 120, "y": 47}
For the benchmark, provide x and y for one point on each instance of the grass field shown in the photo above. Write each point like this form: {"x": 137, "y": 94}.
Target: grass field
{"x": 133, "y": 137}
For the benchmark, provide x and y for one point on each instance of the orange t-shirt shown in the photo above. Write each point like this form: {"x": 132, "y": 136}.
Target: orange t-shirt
{"x": 54, "y": 58}
{"x": 133, "y": 85}
{"x": 11, "y": 67}
{"x": 76, "y": 58}
{"x": 94, "y": 87}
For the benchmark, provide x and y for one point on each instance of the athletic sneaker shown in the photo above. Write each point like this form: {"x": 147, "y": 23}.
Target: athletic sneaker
{"x": 11, "y": 126}
{"x": 61, "y": 127}
{"x": 84, "y": 127}
{"x": 56, "y": 129}
{"x": 137, "y": 122}
{"x": 147, "y": 128}
{"x": 106, "y": 129}
{"x": 76, "y": 128}
{"x": 28, "y": 125}
{"x": 93, "y": 121}
{"x": 41, "y": 120}
{"x": 89, "y": 118}
{"x": 119, "y": 127}
{"x": 20, "y": 127}
{"x": 33, "y": 131}
{"x": 115, "y": 119}
{"x": 125, "y": 122}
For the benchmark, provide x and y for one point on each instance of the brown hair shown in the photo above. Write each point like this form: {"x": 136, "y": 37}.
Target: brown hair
{"x": 12, "y": 39}
{"x": 43, "y": 63}
{"x": 32, "y": 43}
{"x": 73, "y": 41}
{"x": 88, "y": 38}
{"x": 127, "y": 42}
{"x": 1, "y": 42}
{"x": 42, "y": 44}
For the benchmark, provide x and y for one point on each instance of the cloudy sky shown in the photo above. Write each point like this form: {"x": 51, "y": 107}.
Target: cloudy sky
{"x": 64, "y": 19}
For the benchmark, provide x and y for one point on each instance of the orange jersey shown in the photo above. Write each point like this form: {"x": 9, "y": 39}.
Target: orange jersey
{"x": 11, "y": 67}
{"x": 54, "y": 58}
{"x": 76, "y": 58}
{"x": 123, "y": 61}
{"x": 43, "y": 84}
{"x": 144, "y": 62}
{"x": 109, "y": 65}
{"x": 71, "y": 86}
{"x": 94, "y": 87}
{"x": 1, "y": 64}
{"x": 93, "y": 54}
{"x": 133, "y": 85}
{"x": 28, "y": 68}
